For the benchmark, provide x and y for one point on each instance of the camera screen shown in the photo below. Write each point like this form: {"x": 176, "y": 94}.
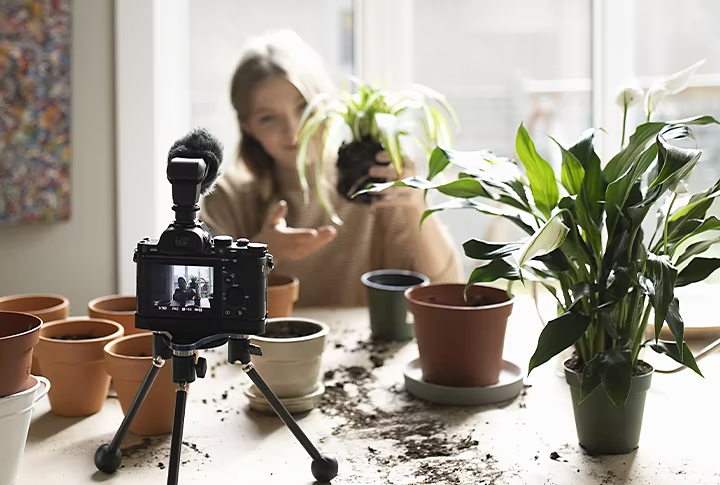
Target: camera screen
{"x": 180, "y": 288}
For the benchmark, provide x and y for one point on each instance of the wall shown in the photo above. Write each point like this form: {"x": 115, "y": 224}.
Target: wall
{"x": 77, "y": 259}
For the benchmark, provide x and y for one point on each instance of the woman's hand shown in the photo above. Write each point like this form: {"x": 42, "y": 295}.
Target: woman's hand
{"x": 395, "y": 196}
{"x": 289, "y": 243}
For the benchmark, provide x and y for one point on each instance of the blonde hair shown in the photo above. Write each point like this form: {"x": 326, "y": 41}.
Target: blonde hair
{"x": 274, "y": 54}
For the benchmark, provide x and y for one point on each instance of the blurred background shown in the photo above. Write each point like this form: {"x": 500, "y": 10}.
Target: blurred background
{"x": 145, "y": 71}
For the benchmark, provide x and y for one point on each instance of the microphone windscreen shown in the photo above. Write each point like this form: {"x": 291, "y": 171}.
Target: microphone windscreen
{"x": 199, "y": 143}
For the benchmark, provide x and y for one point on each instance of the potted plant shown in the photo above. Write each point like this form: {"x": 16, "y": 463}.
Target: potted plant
{"x": 292, "y": 351}
{"x": 356, "y": 126}
{"x": 586, "y": 243}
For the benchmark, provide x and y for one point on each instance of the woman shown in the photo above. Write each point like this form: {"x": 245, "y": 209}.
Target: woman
{"x": 276, "y": 77}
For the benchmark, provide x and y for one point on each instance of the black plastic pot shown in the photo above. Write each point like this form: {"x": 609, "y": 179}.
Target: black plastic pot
{"x": 603, "y": 428}
{"x": 387, "y": 303}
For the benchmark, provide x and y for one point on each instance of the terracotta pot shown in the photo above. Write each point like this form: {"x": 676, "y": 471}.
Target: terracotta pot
{"x": 19, "y": 333}
{"x": 292, "y": 349}
{"x": 46, "y": 307}
{"x": 76, "y": 368}
{"x": 128, "y": 359}
{"x": 283, "y": 292}
{"x": 118, "y": 308}
{"x": 460, "y": 345}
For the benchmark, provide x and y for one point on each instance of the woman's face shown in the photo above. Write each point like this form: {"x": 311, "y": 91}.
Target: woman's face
{"x": 276, "y": 107}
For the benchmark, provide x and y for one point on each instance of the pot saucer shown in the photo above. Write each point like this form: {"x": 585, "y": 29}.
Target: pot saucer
{"x": 509, "y": 386}
{"x": 293, "y": 404}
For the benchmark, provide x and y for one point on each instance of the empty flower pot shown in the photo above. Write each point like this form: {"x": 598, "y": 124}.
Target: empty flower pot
{"x": 387, "y": 304}
{"x": 283, "y": 292}
{"x": 292, "y": 350}
{"x": 15, "y": 413}
{"x": 71, "y": 353}
{"x": 460, "y": 341}
{"x": 118, "y": 308}
{"x": 128, "y": 360}
{"x": 19, "y": 334}
{"x": 44, "y": 306}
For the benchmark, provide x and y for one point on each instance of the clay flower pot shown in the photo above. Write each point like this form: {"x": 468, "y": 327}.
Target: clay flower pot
{"x": 118, "y": 308}
{"x": 460, "y": 342}
{"x": 283, "y": 291}
{"x": 19, "y": 333}
{"x": 46, "y": 307}
{"x": 128, "y": 360}
{"x": 387, "y": 304}
{"x": 71, "y": 352}
{"x": 292, "y": 349}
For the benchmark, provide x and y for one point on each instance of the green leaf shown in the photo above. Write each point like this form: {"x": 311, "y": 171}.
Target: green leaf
{"x": 540, "y": 173}
{"x": 619, "y": 164}
{"x": 697, "y": 270}
{"x": 438, "y": 162}
{"x": 572, "y": 172}
{"x": 677, "y": 163}
{"x": 476, "y": 249}
{"x": 590, "y": 380}
{"x": 592, "y": 193}
{"x": 583, "y": 150}
{"x": 555, "y": 261}
{"x": 670, "y": 349}
{"x": 615, "y": 368}
{"x": 616, "y": 252}
{"x": 548, "y": 238}
{"x": 558, "y": 335}
{"x": 660, "y": 271}
{"x": 482, "y": 208}
{"x": 676, "y": 324}
{"x": 697, "y": 248}
{"x": 712, "y": 223}
{"x": 465, "y": 188}
{"x": 497, "y": 269}
{"x": 608, "y": 324}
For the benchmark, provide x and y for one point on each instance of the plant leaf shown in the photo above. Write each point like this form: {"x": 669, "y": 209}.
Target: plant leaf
{"x": 591, "y": 378}
{"x": 572, "y": 172}
{"x": 676, "y": 324}
{"x": 712, "y": 223}
{"x": 697, "y": 270}
{"x": 465, "y": 188}
{"x": 558, "y": 335}
{"x": 670, "y": 349}
{"x": 495, "y": 270}
{"x": 615, "y": 368}
{"x": 548, "y": 238}
{"x": 476, "y": 249}
{"x": 438, "y": 162}
{"x": 592, "y": 193}
{"x": 677, "y": 163}
{"x": 540, "y": 173}
{"x": 663, "y": 275}
{"x": 697, "y": 248}
{"x": 482, "y": 208}
{"x": 388, "y": 125}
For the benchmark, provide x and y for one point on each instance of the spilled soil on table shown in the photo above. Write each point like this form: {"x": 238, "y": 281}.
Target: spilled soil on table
{"x": 155, "y": 452}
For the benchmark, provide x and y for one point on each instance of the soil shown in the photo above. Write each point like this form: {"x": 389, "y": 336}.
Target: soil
{"x": 353, "y": 163}
{"x": 641, "y": 368}
{"x": 290, "y": 329}
{"x": 156, "y": 452}
{"x": 74, "y": 337}
{"x": 379, "y": 350}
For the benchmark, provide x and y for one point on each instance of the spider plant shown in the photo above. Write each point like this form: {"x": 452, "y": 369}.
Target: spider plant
{"x": 356, "y": 125}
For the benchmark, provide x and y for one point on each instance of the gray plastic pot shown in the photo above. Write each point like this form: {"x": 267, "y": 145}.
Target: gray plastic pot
{"x": 603, "y": 428}
{"x": 387, "y": 303}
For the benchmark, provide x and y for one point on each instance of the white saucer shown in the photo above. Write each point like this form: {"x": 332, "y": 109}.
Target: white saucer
{"x": 509, "y": 386}
{"x": 293, "y": 404}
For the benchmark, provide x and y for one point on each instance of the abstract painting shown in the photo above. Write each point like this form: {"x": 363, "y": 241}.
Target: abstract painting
{"x": 35, "y": 150}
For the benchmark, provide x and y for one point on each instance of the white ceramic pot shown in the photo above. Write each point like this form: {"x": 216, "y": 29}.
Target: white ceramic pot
{"x": 15, "y": 413}
{"x": 290, "y": 364}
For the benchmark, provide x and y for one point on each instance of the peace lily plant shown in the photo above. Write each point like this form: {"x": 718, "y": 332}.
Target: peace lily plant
{"x": 585, "y": 239}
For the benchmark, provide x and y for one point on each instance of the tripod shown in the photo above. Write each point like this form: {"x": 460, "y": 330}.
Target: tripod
{"x": 184, "y": 370}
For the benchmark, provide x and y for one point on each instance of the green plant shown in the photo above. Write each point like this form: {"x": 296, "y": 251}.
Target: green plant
{"x": 370, "y": 115}
{"x": 585, "y": 240}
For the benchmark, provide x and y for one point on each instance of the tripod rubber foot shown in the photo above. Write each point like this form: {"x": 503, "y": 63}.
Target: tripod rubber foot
{"x": 325, "y": 468}
{"x": 108, "y": 462}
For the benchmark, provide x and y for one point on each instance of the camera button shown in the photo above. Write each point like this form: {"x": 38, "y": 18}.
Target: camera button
{"x": 239, "y": 313}
{"x": 223, "y": 241}
{"x": 228, "y": 313}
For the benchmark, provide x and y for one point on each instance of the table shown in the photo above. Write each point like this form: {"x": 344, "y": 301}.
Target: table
{"x": 509, "y": 443}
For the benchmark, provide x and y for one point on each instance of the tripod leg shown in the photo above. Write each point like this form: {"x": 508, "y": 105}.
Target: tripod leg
{"x": 324, "y": 467}
{"x": 176, "y": 444}
{"x": 108, "y": 457}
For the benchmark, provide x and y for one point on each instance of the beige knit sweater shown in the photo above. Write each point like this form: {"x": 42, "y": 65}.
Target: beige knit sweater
{"x": 369, "y": 238}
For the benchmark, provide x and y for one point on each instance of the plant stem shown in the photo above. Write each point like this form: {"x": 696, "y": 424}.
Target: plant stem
{"x": 667, "y": 219}
{"x": 639, "y": 333}
{"x": 625, "y": 110}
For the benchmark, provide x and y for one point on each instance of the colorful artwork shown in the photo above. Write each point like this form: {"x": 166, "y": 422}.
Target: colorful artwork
{"x": 34, "y": 111}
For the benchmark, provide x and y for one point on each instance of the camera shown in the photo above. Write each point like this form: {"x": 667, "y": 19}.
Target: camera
{"x": 189, "y": 283}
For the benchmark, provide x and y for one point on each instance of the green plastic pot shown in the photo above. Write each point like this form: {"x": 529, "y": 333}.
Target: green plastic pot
{"x": 387, "y": 303}
{"x": 603, "y": 428}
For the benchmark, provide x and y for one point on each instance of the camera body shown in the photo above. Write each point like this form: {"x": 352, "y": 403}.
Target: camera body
{"x": 193, "y": 285}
